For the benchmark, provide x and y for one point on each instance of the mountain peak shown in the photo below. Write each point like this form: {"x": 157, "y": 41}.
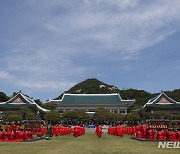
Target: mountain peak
{"x": 91, "y": 86}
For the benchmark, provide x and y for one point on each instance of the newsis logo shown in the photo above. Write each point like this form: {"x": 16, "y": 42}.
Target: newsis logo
{"x": 169, "y": 145}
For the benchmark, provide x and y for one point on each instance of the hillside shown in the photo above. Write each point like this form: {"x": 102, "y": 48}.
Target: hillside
{"x": 94, "y": 86}
{"x": 91, "y": 86}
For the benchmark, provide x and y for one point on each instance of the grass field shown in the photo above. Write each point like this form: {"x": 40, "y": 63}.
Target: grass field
{"x": 86, "y": 144}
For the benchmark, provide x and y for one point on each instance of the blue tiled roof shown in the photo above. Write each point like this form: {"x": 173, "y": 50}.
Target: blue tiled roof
{"x": 92, "y": 99}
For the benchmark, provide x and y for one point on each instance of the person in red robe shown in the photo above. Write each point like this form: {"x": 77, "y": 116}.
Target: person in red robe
{"x": 169, "y": 136}
{"x": 160, "y": 135}
{"x": 12, "y": 136}
{"x": 26, "y": 135}
{"x": 13, "y": 127}
{"x": 44, "y": 130}
{"x": 130, "y": 130}
{"x": 173, "y": 136}
{"x": 178, "y": 135}
{"x": 118, "y": 130}
{"x": 75, "y": 132}
{"x": 125, "y": 130}
{"x": 56, "y": 130}
{"x": 143, "y": 130}
{"x": 6, "y": 136}
{"x": 99, "y": 131}
{"x": 138, "y": 135}
{"x": 109, "y": 130}
{"x": 150, "y": 134}
{"x": 60, "y": 130}
{"x": 163, "y": 135}
{"x": 53, "y": 130}
{"x": 134, "y": 129}
{"x": 78, "y": 131}
{"x": 21, "y": 136}
{"x": 9, "y": 128}
{"x": 30, "y": 135}
{"x": 121, "y": 131}
{"x": 17, "y": 128}
{"x": 41, "y": 130}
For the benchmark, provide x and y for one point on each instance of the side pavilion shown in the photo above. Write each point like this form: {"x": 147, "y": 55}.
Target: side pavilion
{"x": 162, "y": 102}
{"x": 20, "y": 101}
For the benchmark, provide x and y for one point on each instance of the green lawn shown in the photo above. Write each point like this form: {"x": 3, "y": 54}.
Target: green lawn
{"x": 86, "y": 144}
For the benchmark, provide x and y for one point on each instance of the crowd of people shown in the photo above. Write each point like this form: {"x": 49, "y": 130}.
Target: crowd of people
{"x": 147, "y": 132}
{"x": 161, "y": 133}
{"x": 13, "y": 133}
{"x": 28, "y": 132}
{"x": 78, "y": 131}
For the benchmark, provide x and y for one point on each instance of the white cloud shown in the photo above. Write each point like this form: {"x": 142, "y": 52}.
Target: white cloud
{"x": 4, "y": 75}
{"x": 123, "y": 32}
{"x": 54, "y": 85}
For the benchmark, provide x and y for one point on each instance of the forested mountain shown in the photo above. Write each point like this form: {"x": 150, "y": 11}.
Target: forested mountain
{"x": 94, "y": 86}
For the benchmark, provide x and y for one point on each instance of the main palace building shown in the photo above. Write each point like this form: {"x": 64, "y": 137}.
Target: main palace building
{"x": 90, "y": 102}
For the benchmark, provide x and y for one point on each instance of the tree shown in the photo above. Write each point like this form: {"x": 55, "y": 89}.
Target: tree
{"x": 77, "y": 114}
{"x": 49, "y": 106}
{"x": 32, "y": 116}
{"x": 82, "y": 115}
{"x": 132, "y": 118}
{"x": 3, "y": 97}
{"x": 70, "y": 115}
{"x": 13, "y": 117}
{"x": 119, "y": 117}
{"x": 14, "y": 94}
{"x": 101, "y": 114}
{"x": 38, "y": 101}
{"x": 24, "y": 111}
{"x": 53, "y": 116}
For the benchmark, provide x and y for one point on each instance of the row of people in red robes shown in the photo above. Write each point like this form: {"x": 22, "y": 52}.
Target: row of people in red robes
{"x": 120, "y": 130}
{"x": 117, "y": 130}
{"x": 17, "y": 136}
{"x": 142, "y": 131}
{"x": 13, "y": 127}
{"x": 61, "y": 130}
{"x": 158, "y": 135}
{"x": 36, "y": 129}
{"x": 43, "y": 130}
{"x": 78, "y": 131}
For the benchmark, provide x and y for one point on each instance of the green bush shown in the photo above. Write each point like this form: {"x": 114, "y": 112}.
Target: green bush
{"x": 14, "y": 117}
{"x": 53, "y": 116}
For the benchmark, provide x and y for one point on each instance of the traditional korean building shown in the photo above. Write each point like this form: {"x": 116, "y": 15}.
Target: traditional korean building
{"x": 162, "y": 102}
{"x": 90, "y": 102}
{"x": 20, "y": 101}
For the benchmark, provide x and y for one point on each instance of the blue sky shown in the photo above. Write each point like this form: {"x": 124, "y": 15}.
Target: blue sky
{"x": 47, "y": 46}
